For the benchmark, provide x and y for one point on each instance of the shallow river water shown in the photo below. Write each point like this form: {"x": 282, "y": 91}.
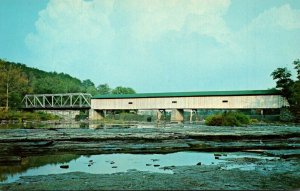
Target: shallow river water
{"x": 113, "y": 163}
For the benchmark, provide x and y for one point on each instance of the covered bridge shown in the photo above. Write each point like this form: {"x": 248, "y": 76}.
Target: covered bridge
{"x": 180, "y": 101}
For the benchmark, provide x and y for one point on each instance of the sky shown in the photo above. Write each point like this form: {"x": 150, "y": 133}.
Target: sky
{"x": 155, "y": 45}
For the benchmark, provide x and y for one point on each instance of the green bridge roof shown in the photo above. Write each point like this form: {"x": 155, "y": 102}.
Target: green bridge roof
{"x": 188, "y": 94}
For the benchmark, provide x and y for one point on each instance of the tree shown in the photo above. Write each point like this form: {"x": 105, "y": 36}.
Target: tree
{"x": 289, "y": 88}
{"x": 296, "y": 94}
{"x": 49, "y": 85}
{"x": 13, "y": 83}
{"x": 295, "y": 108}
{"x": 89, "y": 87}
{"x": 103, "y": 89}
{"x": 87, "y": 83}
{"x": 297, "y": 67}
{"x": 123, "y": 90}
{"x": 284, "y": 81}
{"x": 92, "y": 90}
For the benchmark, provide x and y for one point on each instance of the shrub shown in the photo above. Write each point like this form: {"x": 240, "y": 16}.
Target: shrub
{"x": 254, "y": 121}
{"x": 3, "y": 115}
{"x": 242, "y": 118}
{"x": 24, "y": 115}
{"x": 228, "y": 119}
{"x": 214, "y": 120}
{"x": 30, "y": 116}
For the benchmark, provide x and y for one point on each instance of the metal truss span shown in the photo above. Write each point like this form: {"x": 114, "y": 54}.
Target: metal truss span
{"x": 57, "y": 101}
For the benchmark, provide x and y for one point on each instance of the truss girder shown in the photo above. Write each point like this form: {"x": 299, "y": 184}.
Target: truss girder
{"x": 57, "y": 101}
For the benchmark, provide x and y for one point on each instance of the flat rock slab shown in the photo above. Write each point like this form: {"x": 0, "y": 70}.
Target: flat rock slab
{"x": 27, "y": 142}
{"x": 199, "y": 132}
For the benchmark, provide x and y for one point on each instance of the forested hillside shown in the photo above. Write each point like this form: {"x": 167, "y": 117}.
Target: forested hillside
{"x": 17, "y": 79}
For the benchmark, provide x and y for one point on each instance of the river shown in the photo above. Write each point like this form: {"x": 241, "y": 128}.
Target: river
{"x": 112, "y": 152}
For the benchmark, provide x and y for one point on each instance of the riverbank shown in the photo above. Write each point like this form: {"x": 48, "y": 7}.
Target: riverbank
{"x": 282, "y": 142}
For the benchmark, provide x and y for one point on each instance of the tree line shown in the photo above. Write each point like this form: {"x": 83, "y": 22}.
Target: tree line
{"x": 17, "y": 79}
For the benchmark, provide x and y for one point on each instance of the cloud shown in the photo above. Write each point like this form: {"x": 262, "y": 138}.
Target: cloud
{"x": 70, "y": 31}
{"x": 162, "y": 44}
{"x": 272, "y": 29}
{"x": 151, "y": 20}
{"x": 269, "y": 41}
{"x": 100, "y": 34}
{"x": 283, "y": 17}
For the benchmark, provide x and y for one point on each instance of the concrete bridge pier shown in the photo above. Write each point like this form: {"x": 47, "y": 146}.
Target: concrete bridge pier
{"x": 160, "y": 113}
{"x": 96, "y": 114}
{"x": 177, "y": 115}
{"x": 192, "y": 113}
{"x": 197, "y": 117}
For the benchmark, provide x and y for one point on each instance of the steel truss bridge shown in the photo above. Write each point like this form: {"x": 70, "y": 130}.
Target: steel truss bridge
{"x": 57, "y": 101}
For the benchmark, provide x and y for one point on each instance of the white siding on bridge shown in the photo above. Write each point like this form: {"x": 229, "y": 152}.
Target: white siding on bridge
{"x": 201, "y": 102}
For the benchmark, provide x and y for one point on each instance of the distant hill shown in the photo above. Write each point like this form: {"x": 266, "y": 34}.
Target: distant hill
{"x": 28, "y": 80}
{"x": 49, "y": 82}
{"x": 17, "y": 79}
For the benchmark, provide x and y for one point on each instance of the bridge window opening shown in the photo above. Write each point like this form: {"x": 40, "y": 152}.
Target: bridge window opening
{"x": 130, "y": 102}
{"x": 174, "y": 101}
{"x": 225, "y": 101}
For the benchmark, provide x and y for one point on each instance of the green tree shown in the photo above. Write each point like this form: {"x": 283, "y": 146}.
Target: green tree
{"x": 13, "y": 84}
{"x": 87, "y": 83}
{"x": 297, "y": 67}
{"x": 295, "y": 108}
{"x": 89, "y": 87}
{"x": 296, "y": 93}
{"x": 103, "y": 89}
{"x": 123, "y": 90}
{"x": 92, "y": 90}
{"x": 283, "y": 81}
{"x": 49, "y": 85}
{"x": 289, "y": 88}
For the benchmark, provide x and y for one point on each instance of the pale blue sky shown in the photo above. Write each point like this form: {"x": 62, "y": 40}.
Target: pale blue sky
{"x": 157, "y": 45}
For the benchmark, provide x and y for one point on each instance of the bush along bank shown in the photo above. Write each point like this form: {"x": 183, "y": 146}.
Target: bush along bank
{"x": 228, "y": 119}
{"x": 20, "y": 116}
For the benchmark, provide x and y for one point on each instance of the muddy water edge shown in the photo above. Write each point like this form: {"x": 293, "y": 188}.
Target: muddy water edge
{"x": 281, "y": 143}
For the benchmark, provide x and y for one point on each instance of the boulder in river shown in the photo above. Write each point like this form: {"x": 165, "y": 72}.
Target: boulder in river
{"x": 64, "y": 166}
{"x": 217, "y": 155}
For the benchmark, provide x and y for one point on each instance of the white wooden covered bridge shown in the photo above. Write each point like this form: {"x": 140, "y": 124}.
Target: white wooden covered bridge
{"x": 180, "y": 101}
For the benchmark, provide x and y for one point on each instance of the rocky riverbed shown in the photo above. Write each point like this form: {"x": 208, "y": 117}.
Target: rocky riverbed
{"x": 280, "y": 142}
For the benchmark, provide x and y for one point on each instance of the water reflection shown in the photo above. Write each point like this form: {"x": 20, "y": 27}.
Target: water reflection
{"x": 84, "y": 125}
{"x": 9, "y": 172}
{"x": 113, "y": 163}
